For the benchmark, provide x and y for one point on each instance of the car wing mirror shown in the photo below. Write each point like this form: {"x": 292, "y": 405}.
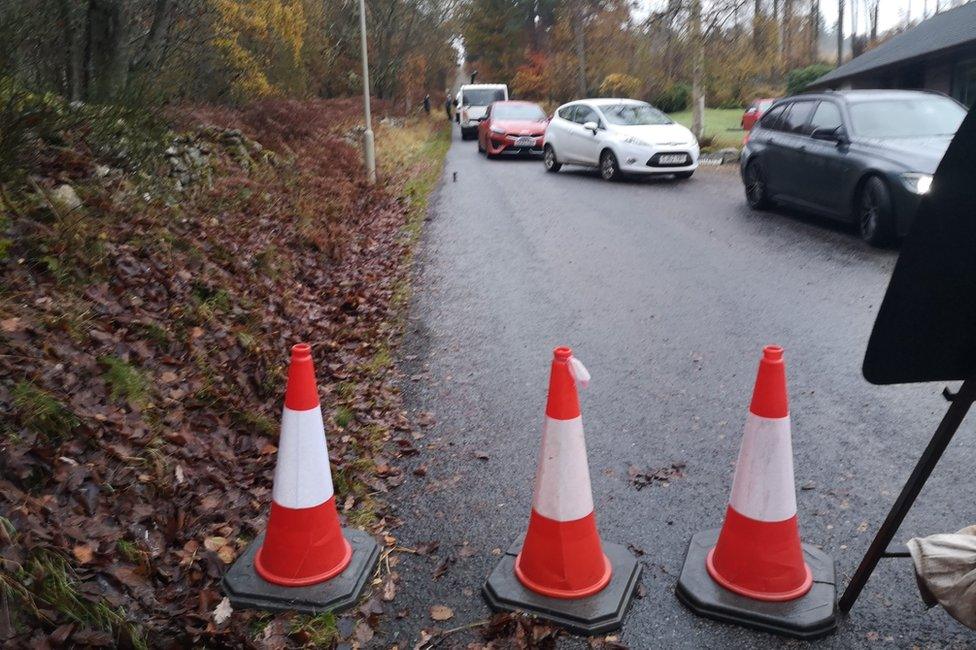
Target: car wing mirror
{"x": 836, "y": 135}
{"x": 591, "y": 126}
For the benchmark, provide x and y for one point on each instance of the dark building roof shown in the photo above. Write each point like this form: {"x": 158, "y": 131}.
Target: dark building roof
{"x": 943, "y": 31}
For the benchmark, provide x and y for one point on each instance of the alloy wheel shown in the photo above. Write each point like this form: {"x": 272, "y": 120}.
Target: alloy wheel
{"x": 755, "y": 186}
{"x": 868, "y": 218}
{"x": 608, "y": 166}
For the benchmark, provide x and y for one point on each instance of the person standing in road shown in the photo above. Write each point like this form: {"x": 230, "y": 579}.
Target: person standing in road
{"x": 447, "y": 104}
{"x": 427, "y": 104}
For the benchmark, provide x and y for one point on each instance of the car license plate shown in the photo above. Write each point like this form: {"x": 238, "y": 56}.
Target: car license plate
{"x": 525, "y": 141}
{"x": 673, "y": 159}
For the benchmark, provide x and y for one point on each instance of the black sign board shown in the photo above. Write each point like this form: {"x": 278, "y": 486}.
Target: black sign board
{"x": 926, "y": 329}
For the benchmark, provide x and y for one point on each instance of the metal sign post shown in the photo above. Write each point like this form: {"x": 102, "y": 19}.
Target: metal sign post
{"x": 368, "y": 152}
{"x": 924, "y": 330}
{"x": 958, "y": 408}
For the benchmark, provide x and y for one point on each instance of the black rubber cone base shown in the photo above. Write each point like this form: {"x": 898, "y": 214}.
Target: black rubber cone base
{"x": 597, "y": 614}
{"x": 247, "y": 590}
{"x": 810, "y": 617}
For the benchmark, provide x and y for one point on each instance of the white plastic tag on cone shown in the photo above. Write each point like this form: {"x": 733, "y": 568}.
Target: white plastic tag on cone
{"x": 579, "y": 372}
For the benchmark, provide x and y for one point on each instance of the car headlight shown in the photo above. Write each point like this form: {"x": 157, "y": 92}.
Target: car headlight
{"x": 635, "y": 141}
{"x": 497, "y": 129}
{"x": 917, "y": 183}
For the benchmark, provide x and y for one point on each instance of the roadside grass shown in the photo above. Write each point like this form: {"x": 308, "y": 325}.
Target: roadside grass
{"x": 412, "y": 157}
{"x": 721, "y": 124}
{"x": 42, "y": 412}
{"x": 421, "y": 147}
{"x": 125, "y": 380}
{"x": 409, "y": 159}
{"x": 47, "y": 581}
{"x": 319, "y": 631}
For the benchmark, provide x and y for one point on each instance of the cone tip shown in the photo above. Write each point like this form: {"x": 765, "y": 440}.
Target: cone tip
{"x": 562, "y": 353}
{"x": 301, "y": 392}
{"x": 772, "y": 353}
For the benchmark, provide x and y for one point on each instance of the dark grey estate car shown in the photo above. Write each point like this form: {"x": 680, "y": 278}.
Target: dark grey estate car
{"x": 862, "y": 156}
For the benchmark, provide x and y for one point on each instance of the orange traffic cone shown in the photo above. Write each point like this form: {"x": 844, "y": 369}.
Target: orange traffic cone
{"x": 758, "y": 553}
{"x": 304, "y": 543}
{"x": 562, "y": 556}
{"x": 304, "y": 547}
{"x": 562, "y": 571}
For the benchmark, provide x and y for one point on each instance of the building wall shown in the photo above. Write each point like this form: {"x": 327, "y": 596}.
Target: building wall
{"x": 939, "y": 77}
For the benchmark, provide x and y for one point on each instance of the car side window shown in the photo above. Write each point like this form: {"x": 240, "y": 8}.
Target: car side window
{"x": 585, "y": 114}
{"x": 826, "y": 117}
{"x": 566, "y": 112}
{"x": 771, "y": 119}
{"x": 796, "y": 120}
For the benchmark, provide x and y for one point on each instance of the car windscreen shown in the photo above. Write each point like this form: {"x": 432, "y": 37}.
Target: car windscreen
{"x": 481, "y": 96}
{"x": 634, "y": 115}
{"x": 527, "y": 112}
{"x": 906, "y": 117}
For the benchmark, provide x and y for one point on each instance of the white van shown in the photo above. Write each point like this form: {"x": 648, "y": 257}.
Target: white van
{"x": 472, "y": 102}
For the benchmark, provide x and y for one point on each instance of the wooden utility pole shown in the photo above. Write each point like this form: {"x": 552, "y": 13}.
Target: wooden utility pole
{"x": 840, "y": 32}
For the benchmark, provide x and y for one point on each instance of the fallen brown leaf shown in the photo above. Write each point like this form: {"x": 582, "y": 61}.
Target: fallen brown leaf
{"x": 441, "y": 612}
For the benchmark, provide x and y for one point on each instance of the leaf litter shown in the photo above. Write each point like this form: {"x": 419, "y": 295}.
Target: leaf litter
{"x": 142, "y": 355}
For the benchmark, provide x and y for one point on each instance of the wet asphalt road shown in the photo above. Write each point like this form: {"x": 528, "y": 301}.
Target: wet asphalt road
{"x": 667, "y": 291}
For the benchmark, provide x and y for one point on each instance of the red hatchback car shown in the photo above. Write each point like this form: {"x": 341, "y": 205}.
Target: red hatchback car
{"x": 755, "y": 111}
{"x": 512, "y": 127}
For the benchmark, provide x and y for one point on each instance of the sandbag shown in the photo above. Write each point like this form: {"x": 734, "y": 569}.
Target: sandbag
{"x": 945, "y": 569}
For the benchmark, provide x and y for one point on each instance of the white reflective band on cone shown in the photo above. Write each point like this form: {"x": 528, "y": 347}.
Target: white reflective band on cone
{"x": 562, "y": 484}
{"x": 302, "y": 477}
{"x": 763, "y": 486}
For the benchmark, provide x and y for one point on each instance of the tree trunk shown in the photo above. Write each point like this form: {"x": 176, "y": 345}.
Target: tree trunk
{"x": 873, "y": 17}
{"x": 698, "y": 71}
{"x": 814, "y": 27}
{"x": 580, "y": 45}
{"x": 73, "y": 63}
{"x": 786, "y": 41}
{"x": 757, "y": 15}
{"x": 104, "y": 72}
{"x": 152, "y": 49}
{"x": 840, "y": 32}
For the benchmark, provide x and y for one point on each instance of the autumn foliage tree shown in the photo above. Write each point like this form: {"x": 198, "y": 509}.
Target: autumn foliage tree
{"x": 564, "y": 49}
{"x": 149, "y": 51}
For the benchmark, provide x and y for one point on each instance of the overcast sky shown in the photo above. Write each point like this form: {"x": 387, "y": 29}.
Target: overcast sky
{"x": 890, "y": 14}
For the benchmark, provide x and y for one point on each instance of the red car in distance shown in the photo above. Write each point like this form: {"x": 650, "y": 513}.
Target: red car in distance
{"x": 512, "y": 127}
{"x": 755, "y": 111}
